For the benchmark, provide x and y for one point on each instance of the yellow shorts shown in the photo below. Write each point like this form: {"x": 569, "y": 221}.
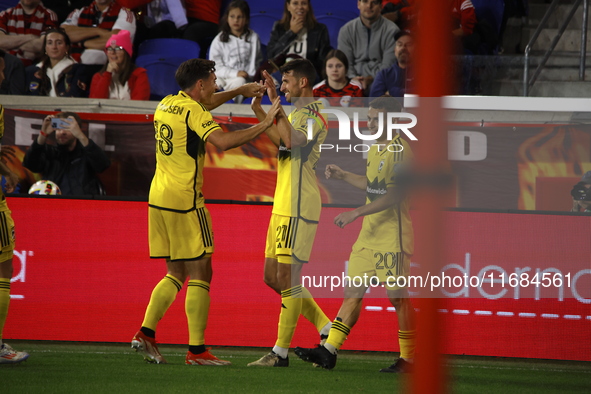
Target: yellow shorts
{"x": 179, "y": 236}
{"x": 6, "y": 236}
{"x": 289, "y": 239}
{"x": 386, "y": 266}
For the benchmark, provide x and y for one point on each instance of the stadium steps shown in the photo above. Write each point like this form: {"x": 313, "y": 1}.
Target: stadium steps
{"x": 560, "y": 76}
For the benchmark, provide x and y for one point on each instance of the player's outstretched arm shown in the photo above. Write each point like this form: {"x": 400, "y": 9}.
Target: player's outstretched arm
{"x": 391, "y": 197}
{"x": 246, "y": 90}
{"x": 225, "y": 141}
{"x": 333, "y": 171}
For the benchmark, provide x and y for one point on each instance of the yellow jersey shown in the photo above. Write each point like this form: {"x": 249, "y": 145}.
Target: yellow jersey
{"x": 3, "y": 205}
{"x": 181, "y": 126}
{"x": 389, "y": 230}
{"x": 296, "y": 192}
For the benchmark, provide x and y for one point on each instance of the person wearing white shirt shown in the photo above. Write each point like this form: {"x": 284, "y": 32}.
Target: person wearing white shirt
{"x": 236, "y": 50}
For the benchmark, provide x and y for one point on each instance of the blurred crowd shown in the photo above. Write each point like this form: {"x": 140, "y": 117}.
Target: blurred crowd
{"x": 86, "y": 48}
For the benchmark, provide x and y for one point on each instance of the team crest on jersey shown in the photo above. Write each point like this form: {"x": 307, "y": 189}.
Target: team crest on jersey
{"x": 381, "y": 166}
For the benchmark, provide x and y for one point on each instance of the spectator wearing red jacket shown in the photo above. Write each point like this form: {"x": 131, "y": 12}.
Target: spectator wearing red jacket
{"x": 464, "y": 23}
{"x": 120, "y": 78}
{"x": 401, "y": 12}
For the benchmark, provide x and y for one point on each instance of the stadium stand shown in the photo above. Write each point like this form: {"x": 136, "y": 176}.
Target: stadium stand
{"x": 334, "y": 20}
{"x": 161, "y": 57}
{"x": 161, "y": 70}
{"x": 344, "y": 8}
{"x": 262, "y": 22}
{"x": 169, "y": 47}
{"x": 6, "y": 4}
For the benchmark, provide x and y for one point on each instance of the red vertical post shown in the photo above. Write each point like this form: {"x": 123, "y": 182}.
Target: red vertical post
{"x": 433, "y": 43}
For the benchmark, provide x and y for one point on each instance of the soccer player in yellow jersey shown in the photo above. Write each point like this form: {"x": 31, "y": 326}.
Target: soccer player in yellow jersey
{"x": 179, "y": 224}
{"x": 7, "y": 354}
{"x": 384, "y": 246}
{"x": 296, "y": 204}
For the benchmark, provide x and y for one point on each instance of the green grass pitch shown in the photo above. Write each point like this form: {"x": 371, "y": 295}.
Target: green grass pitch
{"x": 66, "y": 367}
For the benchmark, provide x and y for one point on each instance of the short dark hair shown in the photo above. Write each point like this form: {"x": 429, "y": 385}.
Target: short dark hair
{"x": 192, "y": 70}
{"x": 340, "y": 55}
{"x": 387, "y": 103}
{"x": 225, "y": 29}
{"x": 301, "y": 68}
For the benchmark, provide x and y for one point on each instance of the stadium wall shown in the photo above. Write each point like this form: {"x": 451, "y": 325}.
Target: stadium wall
{"x": 82, "y": 273}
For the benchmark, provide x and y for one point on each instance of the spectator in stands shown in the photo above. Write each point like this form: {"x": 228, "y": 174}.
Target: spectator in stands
{"x": 64, "y": 8}
{"x": 337, "y": 87}
{"x": 401, "y": 12}
{"x": 120, "y": 79}
{"x": 203, "y": 19}
{"x": 57, "y": 75}
{"x": 298, "y": 33}
{"x": 73, "y": 164}
{"x": 14, "y": 71}
{"x": 157, "y": 18}
{"x": 394, "y": 80}
{"x": 463, "y": 25}
{"x": 581, "y": 194}
{"x": 91, "y": 27}
{"x": 368, "y": 42}
{"x": 236, "y": 50}
{"x": 21, "y": 28}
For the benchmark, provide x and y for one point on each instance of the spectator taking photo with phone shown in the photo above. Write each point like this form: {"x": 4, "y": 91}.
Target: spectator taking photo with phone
{"x": 73, "y": 162}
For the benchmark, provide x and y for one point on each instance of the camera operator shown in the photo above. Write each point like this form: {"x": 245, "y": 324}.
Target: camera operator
{"x": 73, "y": 162}
{"x": 581, "y": 194}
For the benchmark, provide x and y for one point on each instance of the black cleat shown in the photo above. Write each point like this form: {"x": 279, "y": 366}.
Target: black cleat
{"x": 400, "y": 366}
{"x": 318, "y": 355}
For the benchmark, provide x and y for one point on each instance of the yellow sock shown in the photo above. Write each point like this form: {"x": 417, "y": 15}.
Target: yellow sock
{"x": 291, "y": 300}
{"x": 312, "y": 312}
{"x": 197, "y": 310}
{"x": 162, "y": 296}
{"x": 406, "y": 339}
{"x": 338, "y": 333}
{"x": 4, "y": 301}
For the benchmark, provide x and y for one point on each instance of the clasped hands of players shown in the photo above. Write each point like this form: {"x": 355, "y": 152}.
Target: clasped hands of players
{"x": 72, "y": 126}
{"x": 269, "y": 86}
{"x": 251, "y": 89}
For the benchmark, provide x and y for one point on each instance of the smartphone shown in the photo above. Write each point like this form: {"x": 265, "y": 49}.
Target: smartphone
{"x": 59, "y": 123}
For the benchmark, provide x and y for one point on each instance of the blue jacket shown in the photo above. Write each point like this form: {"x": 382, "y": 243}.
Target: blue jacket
{"x": 392, "y": 80}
